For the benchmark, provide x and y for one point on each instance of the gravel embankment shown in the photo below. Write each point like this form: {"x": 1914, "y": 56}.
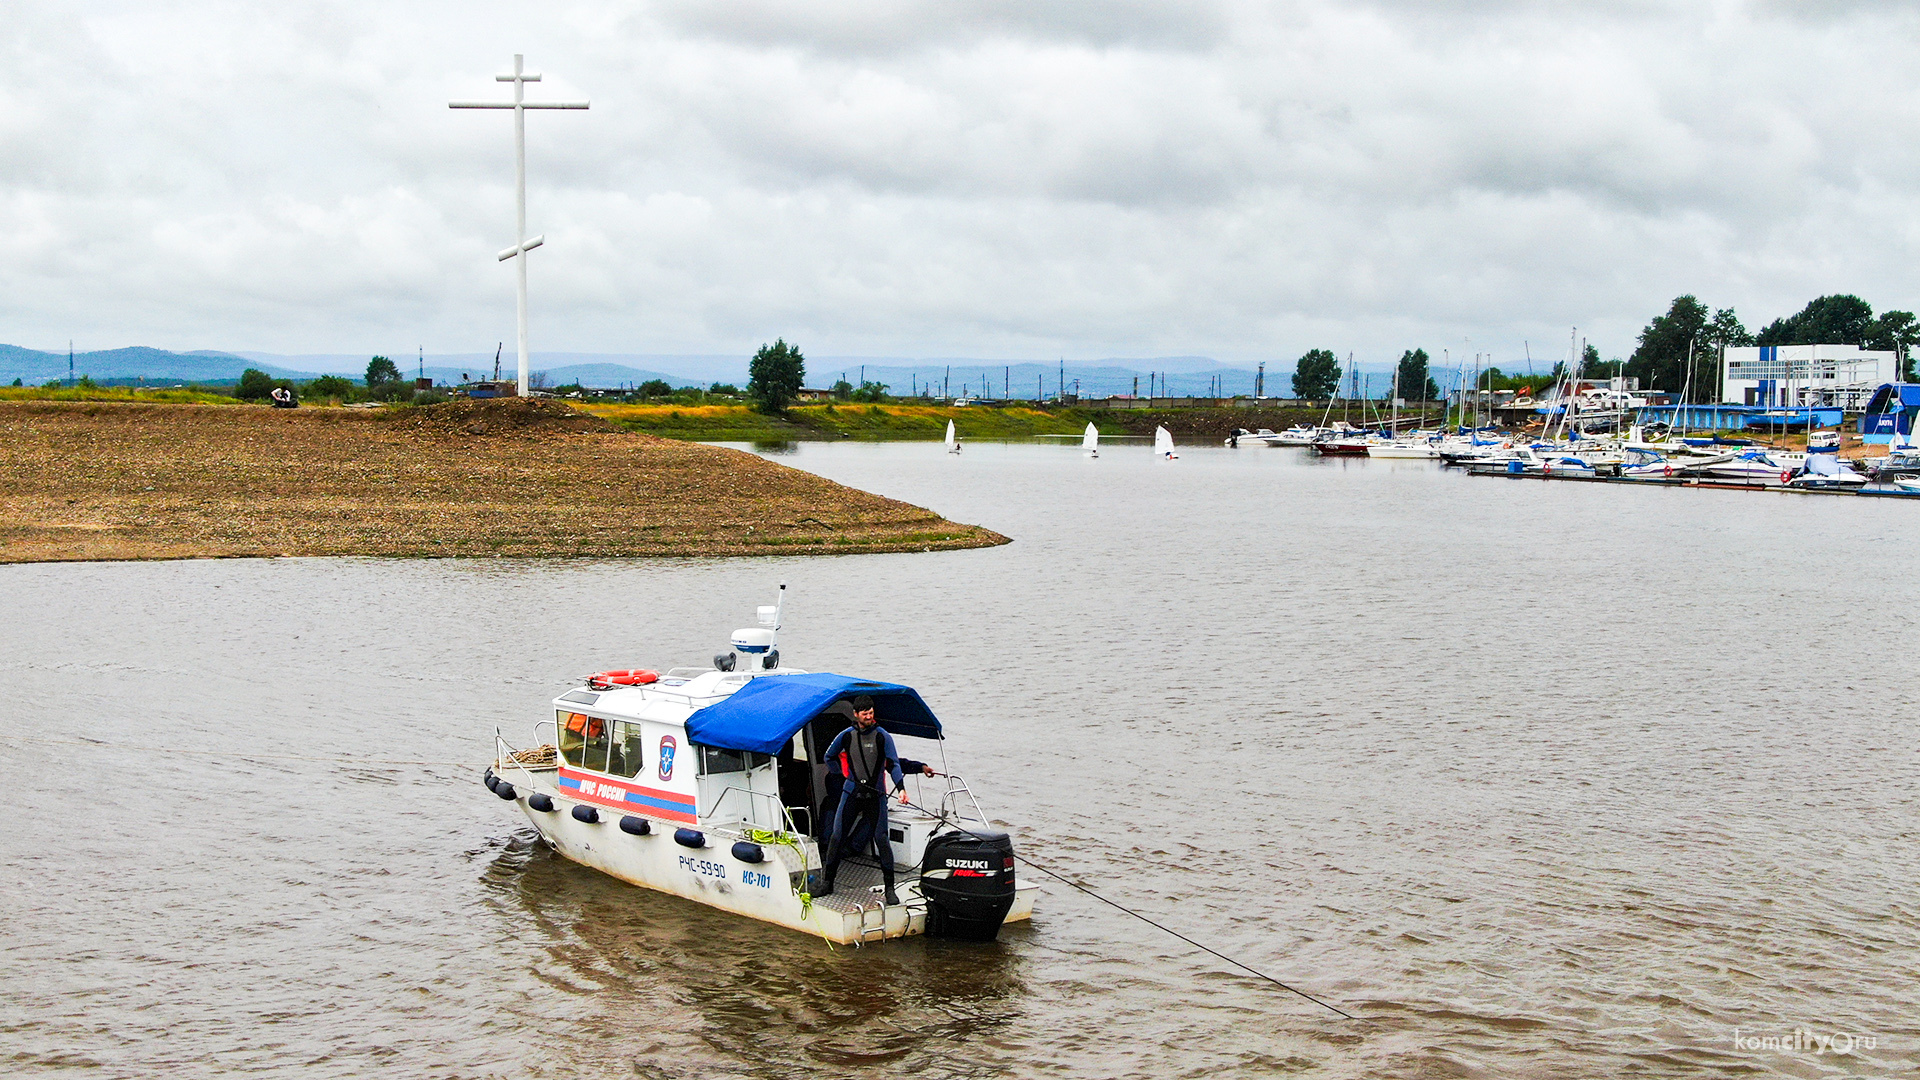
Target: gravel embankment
{"x": 81, "y": 481}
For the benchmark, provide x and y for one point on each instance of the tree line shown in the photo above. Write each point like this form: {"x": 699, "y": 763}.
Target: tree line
{"x": 1684, "y": 344}
{"x": 1676, "y": 348}
{"x": 1317, "y": 376}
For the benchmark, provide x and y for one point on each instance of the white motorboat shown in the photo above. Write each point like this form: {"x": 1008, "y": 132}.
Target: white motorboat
{"x": 1825, "y": 471}
{"x": 711, "y": 784}
{"x": 1459, "y": 450}
{"x": 1754, "y": 466}
{"x": 1568, "y": 465}
{"x": 1263, "y": 437}
{"x": 953, "y": 440}
{"x": 1346, "y": 444}
{"x": 1907, "y": 483}
{"x": 1090, "y": 440}
{"x": 1642, "y": 462}
{"x": 1513, "y": 461}
{"x": 1404, "y": 449}
{"x": 1297, "y": 435}
{"x": 1163, "y": 444}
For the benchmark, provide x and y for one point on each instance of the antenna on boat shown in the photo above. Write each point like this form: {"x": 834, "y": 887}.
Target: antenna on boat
{"x": 770, "y": 616}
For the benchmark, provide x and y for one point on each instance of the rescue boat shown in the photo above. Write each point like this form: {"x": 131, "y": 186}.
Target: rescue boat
{"x": 710, "y": 784}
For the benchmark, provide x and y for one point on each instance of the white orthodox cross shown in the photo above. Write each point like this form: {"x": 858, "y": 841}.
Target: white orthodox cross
{"x": 519, "y": 105}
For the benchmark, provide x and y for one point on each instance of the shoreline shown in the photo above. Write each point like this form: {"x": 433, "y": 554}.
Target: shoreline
{"x": 518, "y": 478}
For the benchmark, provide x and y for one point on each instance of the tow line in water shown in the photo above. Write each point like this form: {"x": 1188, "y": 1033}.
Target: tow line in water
{"x": 1063, "y": 879}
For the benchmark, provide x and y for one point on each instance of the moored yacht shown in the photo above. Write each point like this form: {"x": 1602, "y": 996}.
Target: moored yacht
{"x": 711, "y": 784}
{"x": 1761, "y": 466}
{"x": 1825, "y": 471}
{"x": 1417, "y": 449}
{"x": 1297, "y": 435}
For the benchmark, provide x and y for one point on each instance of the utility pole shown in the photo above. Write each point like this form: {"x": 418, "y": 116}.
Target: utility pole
{"x": 1260, "y": 381}
{"x": 70, "y": 382}
{"x": 520, "y": 78}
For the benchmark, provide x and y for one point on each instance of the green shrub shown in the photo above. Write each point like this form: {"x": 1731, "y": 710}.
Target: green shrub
{"x": 392, "y": 390}
{"x": 330, "y": 386}
{"x": 255, "y": 385}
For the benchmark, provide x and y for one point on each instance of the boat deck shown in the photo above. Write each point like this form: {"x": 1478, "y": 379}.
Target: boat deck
{"x": 858, "y": 886}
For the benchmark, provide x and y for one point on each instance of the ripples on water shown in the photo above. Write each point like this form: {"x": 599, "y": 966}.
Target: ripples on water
{"x": 1553, "y": 780}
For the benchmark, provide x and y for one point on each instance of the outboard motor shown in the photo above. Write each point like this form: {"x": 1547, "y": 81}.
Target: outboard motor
{"x": 967, "y": 879}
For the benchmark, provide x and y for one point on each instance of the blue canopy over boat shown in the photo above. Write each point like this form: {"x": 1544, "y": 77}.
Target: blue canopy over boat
{"x": 762, "y": 715}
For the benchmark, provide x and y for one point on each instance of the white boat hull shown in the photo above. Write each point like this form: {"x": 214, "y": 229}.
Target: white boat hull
{"x": 768, "y": 891}
{"x": 1401, "y": 452}
{"x": 1752, "y": 472}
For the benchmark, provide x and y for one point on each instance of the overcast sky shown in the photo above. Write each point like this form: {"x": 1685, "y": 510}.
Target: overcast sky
{"x": 1019, "y": 179}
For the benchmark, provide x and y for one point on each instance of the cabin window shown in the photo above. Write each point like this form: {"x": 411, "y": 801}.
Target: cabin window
{"x": 598, "y": 743}
{"x": 628, "y": 746}
{"x": 714, "y": 760}
{"x": 583, "y": 740}
{"x": 573, "y": 735}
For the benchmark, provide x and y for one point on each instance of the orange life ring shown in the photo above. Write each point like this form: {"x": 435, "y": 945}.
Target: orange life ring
{"x": 1668, "y": 471}
{"x": 607, "y": 680}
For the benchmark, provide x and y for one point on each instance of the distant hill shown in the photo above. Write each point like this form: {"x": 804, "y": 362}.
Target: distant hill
{"x": 137, "y": 362}
{"x": 1182, "y": 375}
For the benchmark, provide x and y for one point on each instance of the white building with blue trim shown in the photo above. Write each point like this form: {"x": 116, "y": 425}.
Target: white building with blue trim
{"x": 1792, "y": 376}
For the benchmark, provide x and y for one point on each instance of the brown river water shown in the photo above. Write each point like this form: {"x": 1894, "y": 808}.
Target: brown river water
{"x": 1535, "y": 779}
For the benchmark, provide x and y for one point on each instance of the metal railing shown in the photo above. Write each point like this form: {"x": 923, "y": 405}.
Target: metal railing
{"x": 785, "y": 812}
{"x": 950, "y": 805}
{"x": 505, "y": 756}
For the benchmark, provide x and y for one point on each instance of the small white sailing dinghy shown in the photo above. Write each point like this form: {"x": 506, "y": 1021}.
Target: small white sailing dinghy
{"x": 1163, "y": 443}
{"x": 953, "y": 441}
{"x": 1090, "y": 442}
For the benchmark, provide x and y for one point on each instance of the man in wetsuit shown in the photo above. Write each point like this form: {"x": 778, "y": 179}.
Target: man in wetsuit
{"x": 863, "y": 756}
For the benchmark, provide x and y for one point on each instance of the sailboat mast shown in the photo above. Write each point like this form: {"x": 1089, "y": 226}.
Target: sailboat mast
{"x": 1394, "y": 424}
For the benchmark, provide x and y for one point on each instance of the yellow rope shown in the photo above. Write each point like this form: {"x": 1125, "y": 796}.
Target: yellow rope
{"x": 787, "y": 839}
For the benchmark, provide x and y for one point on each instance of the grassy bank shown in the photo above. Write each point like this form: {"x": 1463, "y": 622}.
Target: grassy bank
{"x": 113, "y": 393}
{"x": 138, "y": 480}
{"x": 738, "y": 423}
{"x": 701, "y": 423}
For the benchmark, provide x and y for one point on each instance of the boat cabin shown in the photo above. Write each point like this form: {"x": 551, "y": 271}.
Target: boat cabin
{"x": 710, "y": 748}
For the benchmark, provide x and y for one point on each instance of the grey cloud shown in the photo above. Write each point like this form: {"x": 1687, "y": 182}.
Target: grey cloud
{"x": 894, "y": 27}
{"x": 1240, "y": 179}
